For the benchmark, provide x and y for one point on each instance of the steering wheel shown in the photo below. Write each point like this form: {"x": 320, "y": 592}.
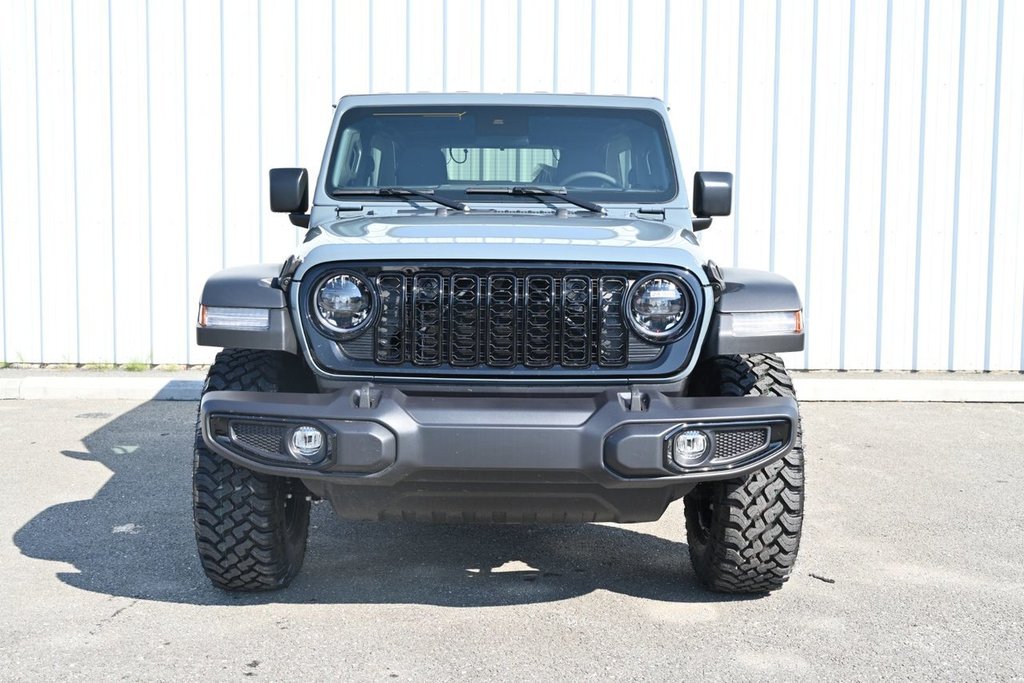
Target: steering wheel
{"x": 591, "y": 174}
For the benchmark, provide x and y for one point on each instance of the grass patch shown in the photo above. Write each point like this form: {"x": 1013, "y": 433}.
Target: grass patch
{"x": 170, "y": 367}
{"x": 135, "y": 366}
{"x": 98, "y": 366}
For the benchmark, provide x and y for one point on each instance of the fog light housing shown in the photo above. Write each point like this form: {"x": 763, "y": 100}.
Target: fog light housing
{"x": 306, "y": 443}
{"x": 690, "y": 447}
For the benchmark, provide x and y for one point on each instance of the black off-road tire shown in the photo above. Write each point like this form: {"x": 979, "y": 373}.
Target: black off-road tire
{"x": 744, "y": 533}
{"x": 250, "y": 528}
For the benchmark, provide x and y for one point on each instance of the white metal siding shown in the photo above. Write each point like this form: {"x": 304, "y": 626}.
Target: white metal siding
{"x": 877, "y": 147}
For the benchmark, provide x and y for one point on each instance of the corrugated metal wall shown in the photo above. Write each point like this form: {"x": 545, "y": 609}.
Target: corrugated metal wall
{"x": 877, "y": 146}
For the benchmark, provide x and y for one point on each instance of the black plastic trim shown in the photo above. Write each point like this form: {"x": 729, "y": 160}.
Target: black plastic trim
{"x": 722, "y": 341}
{"x": 747, "y": 290}
{"x": 245, "y": 286}
{"x": 522, "y": 438}
{"x": 279, "y": 337}
{"x": 328, "y": 360}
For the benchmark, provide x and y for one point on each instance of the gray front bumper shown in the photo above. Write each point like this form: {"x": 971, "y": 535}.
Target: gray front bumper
{"x": 387, "y": 436}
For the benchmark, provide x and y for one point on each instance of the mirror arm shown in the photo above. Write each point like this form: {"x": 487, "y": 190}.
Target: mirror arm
{"x": 299, "y": 220}
{"x": 700, "y": 223}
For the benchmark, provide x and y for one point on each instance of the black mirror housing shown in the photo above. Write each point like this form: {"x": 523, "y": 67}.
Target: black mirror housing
{"x": 712, "y": 193}
{"x": 289, "y": 190}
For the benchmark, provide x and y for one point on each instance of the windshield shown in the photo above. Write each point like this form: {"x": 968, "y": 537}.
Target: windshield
{"x": 600, "y": 154}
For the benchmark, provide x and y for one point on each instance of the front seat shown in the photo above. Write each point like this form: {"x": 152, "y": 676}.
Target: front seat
{"x": 420, "y": 165}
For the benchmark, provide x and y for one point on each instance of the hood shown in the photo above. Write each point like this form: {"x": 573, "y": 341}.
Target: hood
{"x": 501, "y": 237}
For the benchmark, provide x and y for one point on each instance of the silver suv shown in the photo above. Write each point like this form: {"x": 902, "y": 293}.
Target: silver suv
{"x": 500, "y": 313}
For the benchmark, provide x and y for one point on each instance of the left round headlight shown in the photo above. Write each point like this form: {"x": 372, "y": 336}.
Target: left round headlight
{"x": 343, "y": 304}
{"x": 659, "y": 308}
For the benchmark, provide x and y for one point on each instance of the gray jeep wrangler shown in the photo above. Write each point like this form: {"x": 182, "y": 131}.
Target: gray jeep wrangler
{"x": 500, "y": 313}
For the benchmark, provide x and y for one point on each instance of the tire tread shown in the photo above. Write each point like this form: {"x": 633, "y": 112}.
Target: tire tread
{"x": 239, "y": 515}
{"x": 754, "y": 532}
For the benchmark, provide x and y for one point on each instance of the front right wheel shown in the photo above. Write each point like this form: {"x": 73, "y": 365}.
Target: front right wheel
{"x": 744, "y": 533}
{"x": 250, "y": 528}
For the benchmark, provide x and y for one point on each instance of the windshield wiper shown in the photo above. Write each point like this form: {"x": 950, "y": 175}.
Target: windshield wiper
{"x": 403, "y": 192}
{"x": 535, "y": 191}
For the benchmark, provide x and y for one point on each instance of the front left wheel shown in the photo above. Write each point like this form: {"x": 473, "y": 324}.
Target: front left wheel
{"x": 744, "y": 533}
{"x": 250, "y": 528}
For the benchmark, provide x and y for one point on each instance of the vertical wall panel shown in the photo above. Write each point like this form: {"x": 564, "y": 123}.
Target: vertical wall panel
{"x": 788, "y": 218}
{"x": 968, "y": 296}
{"x": 682, "y": 84}
{"x": 426, "y": 47}
{"x": 242, "y": 179}
{"x": 937, "y": 211}
{"x": 21, "y": 172}
{"x": 499, "y": 49}
{"x": 315, "y": 96}
{"x": 203, "y": 156}
{"x": 94, "y": 152}
{"x": 573, "y": 45}
{"x": 753, "y": 201}
{"x": 877, "y": 147}
{"x": 351, "y": 45}
{"x": 647, "y": 40}
{"x": 858, "y": 313}
{"x": 131, "y": 277}
{"x": 56, "y": 136}
{"x": 463, "y": 30}
{"x": 895, "y": 289}
{"x": 823, "y": 298}
{"x": 720, "y": 112}
{"x": 610, "y": 73}
{"x": 1006, "y": 333}
{"x": 536, "y": 45}
{"x": 169, "y": 215}
{"x": 278, "y": 134}
{"x": 388, "y": 35}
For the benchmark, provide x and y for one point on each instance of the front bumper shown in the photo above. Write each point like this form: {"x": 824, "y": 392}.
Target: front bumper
{"x": 385, "y": 435}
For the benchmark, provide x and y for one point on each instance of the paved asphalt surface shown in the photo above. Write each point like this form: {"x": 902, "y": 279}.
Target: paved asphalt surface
{"x": 912, "y": 566}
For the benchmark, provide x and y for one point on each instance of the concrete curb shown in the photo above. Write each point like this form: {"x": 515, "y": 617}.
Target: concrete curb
{"x": 101, "y": 388}
{"x": 809, "y": 388}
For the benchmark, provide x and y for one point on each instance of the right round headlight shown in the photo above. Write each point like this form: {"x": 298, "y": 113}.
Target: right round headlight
{"x": 659, "y": 308}
{"x": 343, "y": 304}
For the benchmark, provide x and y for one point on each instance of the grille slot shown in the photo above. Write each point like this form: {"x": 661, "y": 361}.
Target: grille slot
{"x": 390, "y": 347}
{"x": 613, "y": 344}
{"x": 426, "y": 319}
{"x": 539, "y": 332}
{"x": 501, "y": 319}
{"x": 576, "y": 314}
{"x": 464, "y": 321}
{"x": 502, "y": 303}
{"x": 260, "y": 437}
{"x": 734, "y": 443}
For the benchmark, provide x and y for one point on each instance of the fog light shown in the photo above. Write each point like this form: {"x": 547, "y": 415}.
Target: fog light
{"x": 306, "y": 443}
{"x": 689, "y": 447}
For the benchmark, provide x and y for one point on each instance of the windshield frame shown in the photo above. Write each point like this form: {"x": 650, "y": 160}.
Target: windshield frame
{"x": 604, "y": 196}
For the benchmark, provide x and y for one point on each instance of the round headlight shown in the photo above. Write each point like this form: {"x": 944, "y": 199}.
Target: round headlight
{"x": 658, "y": 307}
{"x": 343, "y": 304}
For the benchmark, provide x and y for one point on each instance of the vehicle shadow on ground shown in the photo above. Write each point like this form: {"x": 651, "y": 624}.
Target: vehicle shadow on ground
{"x": 134, "y": 538}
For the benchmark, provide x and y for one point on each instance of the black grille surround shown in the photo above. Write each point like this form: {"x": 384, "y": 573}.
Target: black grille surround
{"x": 498, "y": 320}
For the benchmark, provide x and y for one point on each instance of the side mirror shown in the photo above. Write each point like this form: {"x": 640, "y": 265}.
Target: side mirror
{"x": 712, "y": 196}
{"x": 289, "y": 193}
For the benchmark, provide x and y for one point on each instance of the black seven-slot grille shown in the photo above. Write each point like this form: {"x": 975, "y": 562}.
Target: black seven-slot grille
{"x": 501, "y": 319}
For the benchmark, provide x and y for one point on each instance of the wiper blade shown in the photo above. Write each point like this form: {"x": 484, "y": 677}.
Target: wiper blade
{"x": 534, "y": 191}
{"x": 403, "y": 192}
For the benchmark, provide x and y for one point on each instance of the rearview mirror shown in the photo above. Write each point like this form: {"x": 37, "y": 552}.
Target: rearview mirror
{"x": 712, "y": 194}
{"x": 289, "y": 193}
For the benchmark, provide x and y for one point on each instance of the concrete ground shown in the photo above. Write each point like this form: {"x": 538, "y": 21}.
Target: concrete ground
{"x": 912, "y": 566}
